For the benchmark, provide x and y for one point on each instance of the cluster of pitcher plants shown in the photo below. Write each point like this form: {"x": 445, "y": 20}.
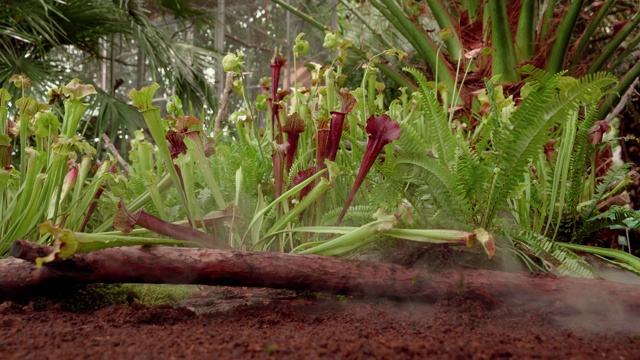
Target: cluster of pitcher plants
{"x": 323, "y": 170}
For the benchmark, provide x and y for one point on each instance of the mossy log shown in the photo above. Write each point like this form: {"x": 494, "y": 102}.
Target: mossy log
{"x": 357, "y": 278}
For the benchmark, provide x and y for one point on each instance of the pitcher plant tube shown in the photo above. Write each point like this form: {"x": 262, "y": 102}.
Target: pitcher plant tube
{"x": 382, "y": 131}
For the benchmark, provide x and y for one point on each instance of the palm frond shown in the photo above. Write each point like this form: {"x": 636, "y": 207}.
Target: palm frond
{"x": 112, "y": 115}
{"x": 493, "y": 120}
{"x": 43, "y": 74}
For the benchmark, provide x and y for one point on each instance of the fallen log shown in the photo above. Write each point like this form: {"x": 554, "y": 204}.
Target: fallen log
{"x": 155, "y": 264}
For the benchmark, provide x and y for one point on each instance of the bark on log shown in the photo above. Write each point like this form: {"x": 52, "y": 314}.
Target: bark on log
{"x": 138, "y": 264}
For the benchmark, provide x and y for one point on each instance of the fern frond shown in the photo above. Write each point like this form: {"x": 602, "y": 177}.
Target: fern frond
{"x": 584, "y": 91}
{"x": 440, "y": 135}
{"x": 356, "y": 147}
{"x": 470, "y": 178}
{"x": 582, "y": 152}
{"x": 615, "y": 215}
{"x": 565, "y": 261}
{"x": 137, "y": 185}
{"x": 534, "y": 74}
{"x": 357, "y": 214}
{"x": 491, "y": 94}
{"x": 532, "y": 121}
{"x": 519, "y": 146}
{"x": 295, "y": 168}
{"x": 440, "y": 181}
{"x": 410, "y": 141}
{"x": 613, "y": 176}
{"x": 388, "y": 191}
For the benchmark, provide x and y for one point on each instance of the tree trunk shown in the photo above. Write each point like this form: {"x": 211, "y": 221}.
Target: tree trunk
{"x": 358, "y": 278}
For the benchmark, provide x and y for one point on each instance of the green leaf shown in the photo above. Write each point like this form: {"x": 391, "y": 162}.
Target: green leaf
{"x": 555, "y": 255}
{"x": 353, "y": 240}
{"x": 624, "y": 260}
{"x": 143, "y": 98}
{"x": 440, "y": 136}
{"x": 68, "y": 243}
{"x": 4, "y": 96}
{"x": 77, "y": 91}
{"x": 46, "y": 124}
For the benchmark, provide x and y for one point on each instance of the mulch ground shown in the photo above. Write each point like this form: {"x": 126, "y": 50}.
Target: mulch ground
{"x": 225, "y": 323}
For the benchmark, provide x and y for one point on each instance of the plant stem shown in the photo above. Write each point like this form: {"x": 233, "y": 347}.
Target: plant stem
{"x": 608, "y": 51}
{"x": 623, "y": 85}
{"x": 555, "y": 63}
{"x": 420, "y": 40}
{"x": 525, "y": 35}
{"x": 446, "y": 21}
{"x": 585, "y": 38}
{"x": 504, "y": 57}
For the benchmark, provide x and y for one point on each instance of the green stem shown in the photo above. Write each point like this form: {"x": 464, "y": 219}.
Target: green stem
{"x": 152, "y": 185}
{"x": 194, "y": 142}
{"x": 445, "y": 21}
{"x": 472, "y": 9}
{"x": 393, "y": 75}
{"x": 318, "y": 190}
{"x": 301, "y": 15}
{"x": 585, "y": 38}
{"x": 353, "y": 240}
{"x": 254, "y": 123}
{"x": 154, "y": 123}
{"x": 547, "y": 19}
{"x": 620, "y": 89}
{"x": 419, "y": 39}
{"x": 608, "y": 51}
{"x": 73, "y": 111}
{"x": 555, "y": 64}
{"x": 24, "y": 143}
{"x": 628, "y": 261}
{"x": 294, "y": 190}
{"x": 630, "y": 47}
{"x": 525, "y": 35}
{"x": 367, "y": 23}
{"x": 504, "y": 57}
{"x": 27, "y": 220}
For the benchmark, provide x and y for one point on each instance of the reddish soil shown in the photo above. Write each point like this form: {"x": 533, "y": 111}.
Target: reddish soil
{"x": 224, "y": 323}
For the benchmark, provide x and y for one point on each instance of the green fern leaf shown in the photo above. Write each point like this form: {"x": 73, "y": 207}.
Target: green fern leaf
{"x": 580, "y": 160}
{"x": 357, "y": 214}
{"x": 410, "y": 141}
{"x": 470, "y": 178}
{"x": 519, "y": 146}
{"x": 440, "y": 181}
{"x": 532, "y": 122}
{"x": 615, "y": 215}
{"x": 440, "y": 135}
{"x": 565, "y": 261}
{"x": 534, "y": 73}
{"x": 608, "y": 181}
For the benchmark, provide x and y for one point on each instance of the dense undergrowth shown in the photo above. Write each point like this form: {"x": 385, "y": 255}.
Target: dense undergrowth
{"x": 325, "y": 169}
